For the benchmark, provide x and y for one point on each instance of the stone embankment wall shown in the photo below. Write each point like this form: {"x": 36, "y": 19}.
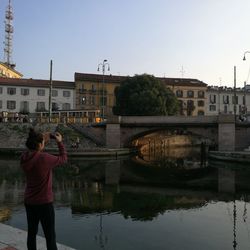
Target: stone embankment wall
{"x": 14, "y": 135}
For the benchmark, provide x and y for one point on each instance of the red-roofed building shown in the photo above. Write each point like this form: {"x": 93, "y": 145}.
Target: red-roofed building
{"x": 90, "y": 93}
{"x": 32, "y": 95}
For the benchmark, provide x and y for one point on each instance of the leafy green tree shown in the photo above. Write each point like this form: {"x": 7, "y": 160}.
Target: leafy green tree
{"x": 144, "y": 95}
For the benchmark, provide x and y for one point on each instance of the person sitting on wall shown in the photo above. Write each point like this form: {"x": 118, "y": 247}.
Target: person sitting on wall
{"x": 16, "y": 116}
{"x": 73, "y": 145}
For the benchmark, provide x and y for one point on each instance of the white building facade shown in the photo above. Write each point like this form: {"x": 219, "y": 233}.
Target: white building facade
{"x": 225, "y": 100}
{"x": 30, "y": 95}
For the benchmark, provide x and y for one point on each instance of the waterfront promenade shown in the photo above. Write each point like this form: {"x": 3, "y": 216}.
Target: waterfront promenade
{"x": 15, "y": 239}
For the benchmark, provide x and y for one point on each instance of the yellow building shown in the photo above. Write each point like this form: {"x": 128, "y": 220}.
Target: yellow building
{"x": 93, "y": 91}
{"x": 191, "y": 94}
{"x": 8, "y": 72}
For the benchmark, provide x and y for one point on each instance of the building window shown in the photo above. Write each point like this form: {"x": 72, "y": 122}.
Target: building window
{"x": 66, "y": 106}
{"x": 25, "y": 91}
{"x": 212, "y": 107}
{"x": 201, "y": 94}
{"x": 1, "y": 90}
{"x": 55, "y": 106}
{"x": 181, "y": 107}
{"x": 212, "y": 98}
{"x": 179, "y": 93}
{"x": 24, "y": 107}
{"x": 190, "y": 107}
{"x": 11, "y": 105}
{"x": 201, "y": 103}
{"x": 1, "y": 104}
{"x": 200, "y": 112}
{"x": 103, "y": 101}
{"x": 54, "y": 93}
{"x": 93, "y": 87}
{"x": 225, "y": 109}
{"x": 41, "y": 92}
{"x": 190, "y": 93}
{"x": 66, "y": 93}
{"x": 11, "y": 91}
{"x": 225, "y": 99}
{"x": 81, "y": 88}
{"x": 240, "y": 109}
{"x": 82, "y": 91}
{"x": 92, "y": 100}
{"x": 235, "y": 98}
{"x": 40, "y": 106}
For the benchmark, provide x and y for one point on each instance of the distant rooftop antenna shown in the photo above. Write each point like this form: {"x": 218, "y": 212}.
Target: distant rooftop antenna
{"x": 8, "y": 36}
{"x": 182, "y": 72}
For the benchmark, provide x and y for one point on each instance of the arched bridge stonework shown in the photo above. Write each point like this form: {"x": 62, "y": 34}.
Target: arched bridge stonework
{"x": 129, "y": 134}
{"x": 222, "y": 130}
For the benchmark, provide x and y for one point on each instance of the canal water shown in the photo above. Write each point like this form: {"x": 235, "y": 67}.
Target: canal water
{"x": 144, "y": 202}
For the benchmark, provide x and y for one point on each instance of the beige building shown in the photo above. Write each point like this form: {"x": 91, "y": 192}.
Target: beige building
{"x": 8, "y": 72}
{"x": 191, "y": 94}
{"x": 93, "y": 91}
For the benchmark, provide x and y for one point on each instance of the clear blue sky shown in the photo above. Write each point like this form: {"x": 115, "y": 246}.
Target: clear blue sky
{"x": 206, "y": 37}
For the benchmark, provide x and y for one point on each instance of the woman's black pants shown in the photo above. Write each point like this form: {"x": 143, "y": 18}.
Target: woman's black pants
{"x": 46, "y": 215}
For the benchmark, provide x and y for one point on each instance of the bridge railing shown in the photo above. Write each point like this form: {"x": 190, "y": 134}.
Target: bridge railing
{"x": 167, "y": 119}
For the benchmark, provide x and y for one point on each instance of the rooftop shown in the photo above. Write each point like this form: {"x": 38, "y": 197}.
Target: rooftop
{"x": 35, "y": 83}
{"x": 119, "y": 79}
{"x": 10, "y": 68}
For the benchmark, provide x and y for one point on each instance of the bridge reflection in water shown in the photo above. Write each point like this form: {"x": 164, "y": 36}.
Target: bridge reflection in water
{"x": 136, "y": 191}
{"x": 174, "y": 148}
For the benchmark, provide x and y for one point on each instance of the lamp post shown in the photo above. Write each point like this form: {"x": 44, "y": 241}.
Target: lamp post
{"x": 244, "y": 57}
{"x": 50, "y": 91}
{"x": 235, "y": 93}
{"x": 245, "y": 101}
{"x": 103, "y": 65}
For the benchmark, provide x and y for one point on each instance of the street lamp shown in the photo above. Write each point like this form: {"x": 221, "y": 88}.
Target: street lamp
{"x": 104, "y": 64}
{"x": 245, "y": 104}
{"x": 244, "y": 57}
{"x": 50, "y": 91}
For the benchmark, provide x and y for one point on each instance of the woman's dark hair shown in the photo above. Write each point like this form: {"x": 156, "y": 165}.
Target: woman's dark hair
{"x": 34, "y": 139}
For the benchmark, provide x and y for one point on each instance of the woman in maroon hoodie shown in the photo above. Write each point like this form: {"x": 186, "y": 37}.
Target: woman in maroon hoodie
{"x": 38, "y": 197}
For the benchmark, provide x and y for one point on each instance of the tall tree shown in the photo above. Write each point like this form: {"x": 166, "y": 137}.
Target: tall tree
{"x": 144, "y": 95}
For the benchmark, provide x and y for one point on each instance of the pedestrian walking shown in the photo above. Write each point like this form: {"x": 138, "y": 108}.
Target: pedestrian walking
{"x": 38, "y": 197}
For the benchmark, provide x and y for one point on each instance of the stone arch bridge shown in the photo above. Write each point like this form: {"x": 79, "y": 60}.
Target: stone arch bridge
{"x": 222, "y": 130}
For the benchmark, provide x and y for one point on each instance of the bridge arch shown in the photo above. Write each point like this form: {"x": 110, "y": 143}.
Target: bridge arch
{"x": 130, "y": 135}
{"x": 220, "y": 129}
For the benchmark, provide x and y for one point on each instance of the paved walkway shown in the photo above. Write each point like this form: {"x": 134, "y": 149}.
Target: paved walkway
{"x": 15, "y": 239}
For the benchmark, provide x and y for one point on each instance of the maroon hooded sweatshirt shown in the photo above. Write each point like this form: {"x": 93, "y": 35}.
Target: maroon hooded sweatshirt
{"x": 38, "y": 166}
